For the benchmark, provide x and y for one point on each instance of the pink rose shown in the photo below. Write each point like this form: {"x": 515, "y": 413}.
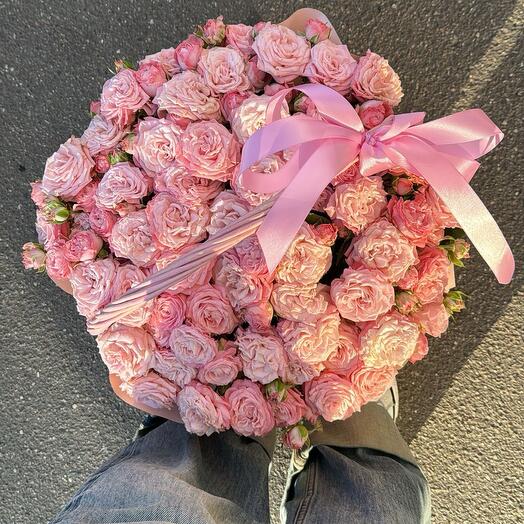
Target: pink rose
{"x": 258, "y": 316}
{"x": 132, "y": 238}
{"x": 250, "y": 412}
{"x": 223, "y": 69}
{"x": 126, "y": 351}
{"x": 121, "y": 97}
{"x": 223, "y": 368}
{"x": 188, "y": 52}
{"x": 82, "y": 246}
{"x": 213, "y": 31}
{"x": 102, "y": 221}
{"x": 432, "y": 318}
{"x": 433, "y": 275}
{"x": 102, "y": 136}
{"x": 281, "y": 52}
{"x": 373, "y": 112}
{"x": 209, "y": 310}
{"x": 374, "y": 79}
{"x": 358, "y": 203}
{"x": 208, "y": 150}
{"x": 154, "y": 145}
{"x": 226, "y": 209}
{"x": 301, "y": 303}
{"x": 332, "y": 397}
{"x": 49, "y": 233}
{"x": 187, "y": 98}
{"x": 345, "y": 358}
{"x": 388, "y": 341}
{"x": 316, "y": 31}
{"x": 421, "y": 349}
{"x": 298, "y": 372}
{"x": 169, "y": 311}
{"x": 102, "y": 164}
{"x": 331, "y": 65}
{"x": 202, "y": 410}
{"x": 150, "y": 76}
{"x": 57, "y": 265}
{"x": 240, "y": 37}
{"x": 33, "y": 256}
{"x": 381, "y": 247}
{"x": 191, "y": 346}
{"x": 166, "y": 58}
{"x": 257, "y": 78}
{"x": 290, "y": 410}
{"x": 361, "y": 294}
{"x": 230, "y": 101}
{"x": 151, "y": 390}
{"x": 166, "y": 363}
{"x": 402, "y": 186}
{"x": 92, "y": 284}
{"x": 122, "y": 184}
{"x": 262, "y": 355}
{"x": 176, "y": 225}
{"x": 85, "y": 198}
{"x": 372, "y": 383}
{"x": 296, "y": 438}
{"x": 68, "y": 170}
{"x": 38, "y": 196}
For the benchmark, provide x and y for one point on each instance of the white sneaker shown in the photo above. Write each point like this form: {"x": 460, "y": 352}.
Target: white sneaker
{"x": 390, "y": 401}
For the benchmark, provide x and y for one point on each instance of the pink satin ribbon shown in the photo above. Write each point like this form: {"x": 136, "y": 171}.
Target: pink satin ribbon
{"x": 443, "y": 152}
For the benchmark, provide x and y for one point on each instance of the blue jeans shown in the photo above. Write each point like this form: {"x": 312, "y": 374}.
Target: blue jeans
{"x": 358, "y": 471}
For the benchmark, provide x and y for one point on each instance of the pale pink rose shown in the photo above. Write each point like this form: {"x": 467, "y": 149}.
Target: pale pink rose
{"x": 121, "y": 97}
{"x": 122, "y": 184}
{"x": 169, "y": 311}
{"x": 230, "y": 101}
{"x": 208, "y": 150}
{"x": 92, "y": 284}
{"x": 191, "y": 346}
{"x": 167, "y": 58}
{"x": 298, "y": 372}
{"x": 290, "y": 410}
{"x": 226, "y": 209}
{"x": 361, "y": 294}
{"x": 421, "y": 349}
{"x": 406, "y": 302}
{"x": 441, "y": 214}
{"x": 432, "y": 318}
{"x": 187, "y": 98}
{"x": 262, "y": 355}
{"x": 296, "y": 438}
{"x": 188, "y": 52}
{"x": 33, "y": 256}
{"x": 85, "y": 198}
{"x": 223, "y": 368}
{"x": 223, "y": 69}
{"x": 258, "y": 316}
{"x": 316, "y": 31}
{"x": 82, "y": 246}
{"x": 311, "y": 342}
{"x": 102, "y": 136}
{"x": 433, "y": 274}
{"x": 358, "y": 203}
{"x": 131, "y": 238}
{"x": 306, "y": 259}
{"x": 152, "y": 390}
{"x": 373, "y": 112}
{"x": 37, "y": 194}
{"x": 203, "y": 411}
{"x": 213, "y": 31}
{"x": 257, "y": 78}
{"x": 150, "y": 76}
{"x": 388, "y": 341}
{"x": 57, "y": 265}
{"x": 250, "y": 256}
{"x": 332, "y": 397}
{"x": 345, "y": 358}
{"x": 187, "y": 189}
{"x": 240, "y": 36}
{"x": 251, "y": 413}
{"x": 175, "y": 225}
{"x": 126, "y": 351}
{"x": 374, "y": 79}
{"x": 251, "y": 116}
{"x": 281, "y": 52}
{"x": 332, "y": 65}
{"x": 381, "y": 247}
{"x": 372, "y": 383}
{"x": 166, "y": 363}
{"x": 413, "y": 218}
{"x": 68, "y": 170}
{"x": 102, "y": 221}
{"x": 209, "y": 310}
{"x": 409, "y": 280}
{"x": 49, "y": 233}
{"x": 154, "y": 145}
{"x": 301, "y": 303}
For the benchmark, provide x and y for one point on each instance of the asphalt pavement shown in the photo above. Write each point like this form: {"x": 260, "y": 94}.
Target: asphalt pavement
{"x": 462, "y": 407}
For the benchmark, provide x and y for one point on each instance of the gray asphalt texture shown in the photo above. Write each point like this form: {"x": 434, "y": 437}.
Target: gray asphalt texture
{"x": 462, "y": 407}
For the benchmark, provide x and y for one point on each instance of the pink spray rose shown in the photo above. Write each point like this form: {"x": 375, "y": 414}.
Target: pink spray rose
{"x": 421, "y": 349}
{"x": 316, "y": 31}
{"x": 433, "y": 275}
{"x": 102, "y": 221}
{"x": 57, "y": 265}
{"x": 188, "y": 52}
{"x": 296, "y": 437}
{"x": 374, "y": 79}
{"x": 82, "y": 246}
{"x": 33, "y": 256}
{"x": 281, "y": 52}
{"x": 213, "y": 31}
{"x": 166, "y": 58}
{"x": 240, "y": 37}
{"x": 332, "y": 65}
{"x": 226, "y": 209}
{"x": 345, "y": 358}
{"x": 38, "y": 196}
{"x": 331, "y": 396}
{"x": 121, "y": 97}
{"x": 373, "y": 112}
{"x": 372, "y": 383}
{"x": 168, "y": 365}
{"x": 290, "y": 410}
{"x": 202, "y": 410}
{"x": 258, "y": 316}
{"x": 208, "y": 150}
{"x": 85, "y": 198}
{"x": 432, "y": 318}
{"x": 223, "y": 368}
{"x": 169, "y": 311}
{"x": 126, "y": 351}
{"x": 361, "y": 294}
{"x": 230, "y": 101}
{"x": 257, "y": 78}
{"x": 102, "y": 163}
{"x": 152, "y": 390}
{"x": 68, "y": 170}
{"x": 150, "y": 76}
{"x": 409, "y": 280}
{"x": 301, "y": 303}
{"x": 251, "y": 413}
{"x": 102, "y": 136}
{"x": 191, "y": 346}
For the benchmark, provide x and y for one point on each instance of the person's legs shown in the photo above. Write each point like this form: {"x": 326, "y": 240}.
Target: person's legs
{"x": 171, "y": 476}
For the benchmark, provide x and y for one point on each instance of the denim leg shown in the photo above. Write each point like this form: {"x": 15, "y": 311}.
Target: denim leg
{"x": 170, "y": 476}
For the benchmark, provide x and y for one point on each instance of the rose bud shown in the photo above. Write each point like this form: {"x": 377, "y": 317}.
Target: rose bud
{"x": 454, "y": 302}
{"x": 94, "y": 107}
{"x": 316, "y": 31}
{"x": 213, "y": 31}
{"x": 150, "y": 76}
{"x": 276, "y": 390}
{"x": 127, "y": 143}
{"x": 122, "y": 63}
{"x": 33, "y": 256}
{"x": 56, "y": 211}
{"x": 373, "y": 112}
{"x": 402, "y": 186}
{"x": 188, "y": 52}
{"x": 258, "y": 27}
{"x": 457, "y": 249}
{"x": 461, "y": 248}
{"x": 101, "y": 163}
{"x": 256, "y": 77}
{"x": 297, "y": 437}
{"x": 406, "y": 302}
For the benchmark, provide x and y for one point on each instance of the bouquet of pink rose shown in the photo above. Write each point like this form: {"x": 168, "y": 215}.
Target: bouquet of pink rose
{"x": 151, "y": 218}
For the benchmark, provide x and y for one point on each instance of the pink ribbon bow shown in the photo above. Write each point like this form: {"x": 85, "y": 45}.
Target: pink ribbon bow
{"x": 443, "y": 152}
